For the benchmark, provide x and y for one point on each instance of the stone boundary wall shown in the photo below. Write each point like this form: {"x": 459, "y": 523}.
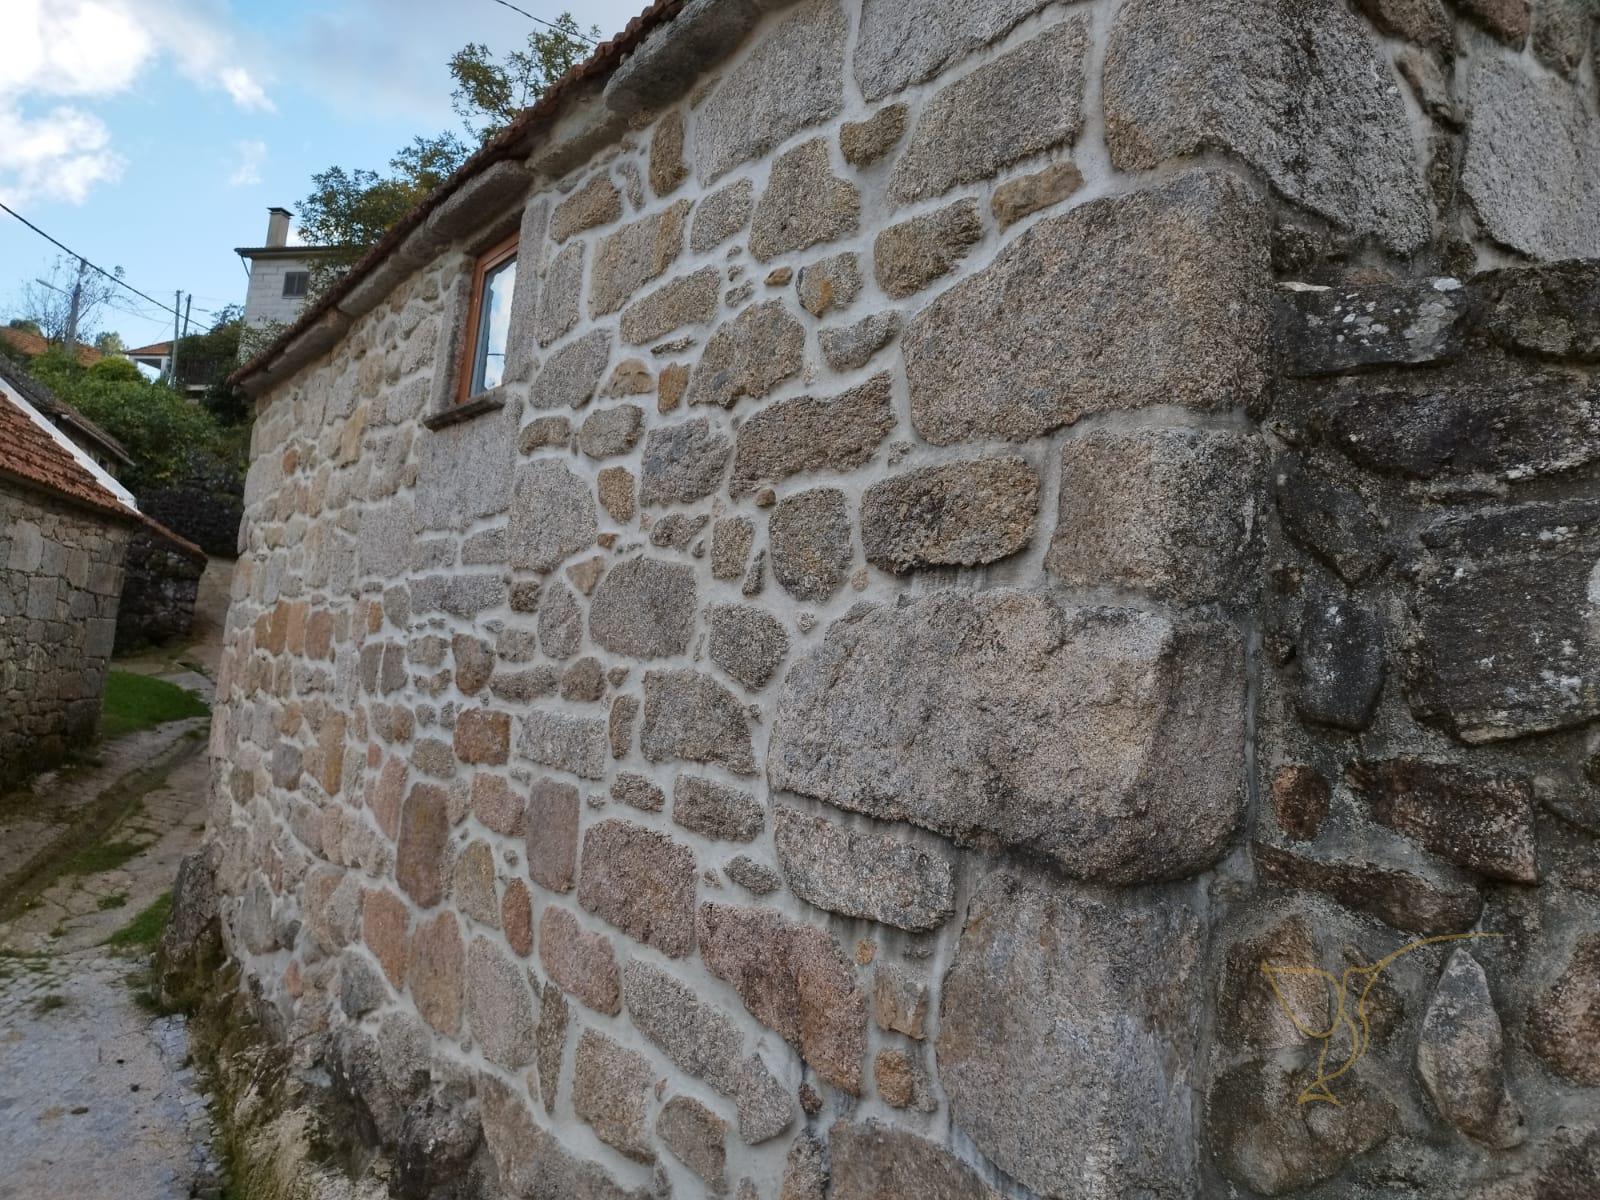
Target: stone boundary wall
{"x": 993, "y": 531}
{"x": 158, "y": 591}
{"x": 60, "y": 577}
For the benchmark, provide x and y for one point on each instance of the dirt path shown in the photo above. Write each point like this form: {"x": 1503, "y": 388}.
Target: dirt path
{"x": 96, "y": 1097}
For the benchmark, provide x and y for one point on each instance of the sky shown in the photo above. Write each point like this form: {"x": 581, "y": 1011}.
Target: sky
{"x": 153, "y": 135}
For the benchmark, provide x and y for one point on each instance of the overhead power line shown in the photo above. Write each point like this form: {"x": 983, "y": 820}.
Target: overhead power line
{"x": 571, "y": 33}
{"x": 116, "y": 279}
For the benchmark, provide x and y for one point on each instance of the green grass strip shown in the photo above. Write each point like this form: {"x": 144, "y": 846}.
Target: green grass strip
{"x": 134, "y": 702}
{"x": 144, "y": 931}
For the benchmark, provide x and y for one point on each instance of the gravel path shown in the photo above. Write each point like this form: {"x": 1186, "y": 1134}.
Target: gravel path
{"x": 96, "y": 1095}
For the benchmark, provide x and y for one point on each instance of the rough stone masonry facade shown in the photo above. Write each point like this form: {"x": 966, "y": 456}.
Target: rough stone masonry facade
{"x": 1003, "y": 520}
{"x": 60, "y": 577}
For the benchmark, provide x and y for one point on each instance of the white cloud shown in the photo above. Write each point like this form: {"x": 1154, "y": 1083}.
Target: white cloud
{"x": 57, "y": 155}
{"x": 89, "y": 50}
{"x": 246, "y": 92}
{"x": 75, "y": 48}
{"x": 251, "y": 155}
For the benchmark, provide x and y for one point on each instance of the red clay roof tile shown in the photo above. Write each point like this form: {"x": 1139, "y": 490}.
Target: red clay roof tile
{"x": 28, "y": 453}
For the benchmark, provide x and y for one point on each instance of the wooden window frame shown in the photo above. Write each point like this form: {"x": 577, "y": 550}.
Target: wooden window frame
{"x": 491, "y": 258}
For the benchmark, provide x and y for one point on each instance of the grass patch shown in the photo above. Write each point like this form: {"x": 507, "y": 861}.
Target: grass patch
{"x": 134, "y": 702}
{"x": 49, "y": 1003}
{"x": 118, "y": 900}
{"x": 144, "y": 931}
{"x": 102, "y": 856}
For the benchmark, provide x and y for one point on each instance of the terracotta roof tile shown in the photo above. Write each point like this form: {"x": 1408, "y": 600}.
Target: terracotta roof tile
{"x": 30, "y": 454}
{"x": 33, "y": 345}
{"x": 58, "y": 411}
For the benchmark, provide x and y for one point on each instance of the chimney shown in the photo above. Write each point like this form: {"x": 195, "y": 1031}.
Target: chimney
{"x": 278, "y": 226}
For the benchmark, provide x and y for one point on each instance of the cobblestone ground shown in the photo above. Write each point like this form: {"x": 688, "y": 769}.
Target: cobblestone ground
{"x": 96, "y": 1099}
{"x": 96, "y": 1095}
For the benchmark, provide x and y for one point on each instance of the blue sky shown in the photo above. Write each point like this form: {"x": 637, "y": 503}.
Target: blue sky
{"x": 154, "y": 134}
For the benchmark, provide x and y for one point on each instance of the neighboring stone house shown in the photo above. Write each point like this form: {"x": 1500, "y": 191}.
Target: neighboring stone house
{"x": 64, "y": 532}
{"x": 82, "y": 572}
{"x": 812, "y": 620}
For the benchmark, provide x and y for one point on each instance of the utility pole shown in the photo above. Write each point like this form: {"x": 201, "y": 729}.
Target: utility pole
{"x": 186, "y": 305}
{"x": 77, "y": 302}
{"x": 172, "y": 359}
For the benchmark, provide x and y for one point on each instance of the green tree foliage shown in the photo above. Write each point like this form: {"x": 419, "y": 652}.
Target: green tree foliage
{"x": 110, "y": 343}
{"x": 115, "y": 370}
{"x": 351, "y": 209}
{"x": 489, "y": 93}
{"x": 167, "y": 437}
{"x": 206, "y": 359}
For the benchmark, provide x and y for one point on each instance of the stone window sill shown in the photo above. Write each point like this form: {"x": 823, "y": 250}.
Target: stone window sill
{"x": 491, "y": 401}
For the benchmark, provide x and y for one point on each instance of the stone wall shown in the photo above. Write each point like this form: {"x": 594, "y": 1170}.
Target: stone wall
{"x": 993, "y": 532}
{"x": 60, "y": 576}
{"x": 205, "y": 505}
{"x": 158, "y": 591}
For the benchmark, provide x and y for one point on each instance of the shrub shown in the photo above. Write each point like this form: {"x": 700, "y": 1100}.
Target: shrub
{"x": 116, "y": 370}
{"x": 166, "y": 436}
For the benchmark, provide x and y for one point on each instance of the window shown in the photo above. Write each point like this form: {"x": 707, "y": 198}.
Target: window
{"x": 483, "y": 360}
{"x": 294, "y": 282}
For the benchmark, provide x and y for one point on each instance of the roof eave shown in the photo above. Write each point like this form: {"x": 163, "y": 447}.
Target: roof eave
{"x": 580, "y": 113}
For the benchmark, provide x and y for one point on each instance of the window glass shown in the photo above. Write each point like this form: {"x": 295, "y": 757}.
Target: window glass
{"x": 494, "y": 323}
{"x": 294, "y": 282}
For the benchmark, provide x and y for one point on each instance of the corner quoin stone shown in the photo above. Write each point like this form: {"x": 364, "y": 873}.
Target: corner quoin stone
{"x": 1323, "y": 119}
{"x": 1158, "y": 297}
{"x": 1108, "y": 739}
{"x": 1173, "y": 512}
{"x": 1068, "y": 1035}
